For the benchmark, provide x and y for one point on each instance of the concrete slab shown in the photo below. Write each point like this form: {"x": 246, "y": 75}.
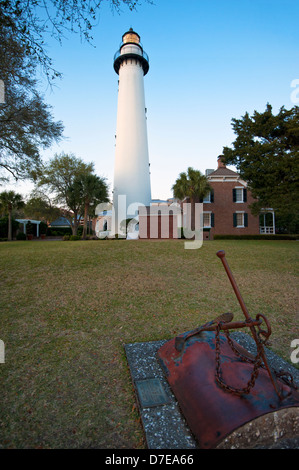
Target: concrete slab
{"x": 163, "y": 423}
{"x": 164, "y": 426}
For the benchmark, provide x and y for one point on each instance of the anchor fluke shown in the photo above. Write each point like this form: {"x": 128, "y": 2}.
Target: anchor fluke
{"x": 211, "y": 325}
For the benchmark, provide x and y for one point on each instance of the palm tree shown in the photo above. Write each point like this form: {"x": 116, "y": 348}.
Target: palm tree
{"x": 10, "y": 200}
{"x": 192, "y": 185}
{"x": 93, "y": 189}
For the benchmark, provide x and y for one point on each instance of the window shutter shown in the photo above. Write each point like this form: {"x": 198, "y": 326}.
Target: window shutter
{"x": 245, "y": 220}
{"x": 244, "y": 195}
{"x": 212, "y": 219}
{"x": 235, "y": 220}
{"x": 234, "y": 195}
{"x": 212, "y": 196}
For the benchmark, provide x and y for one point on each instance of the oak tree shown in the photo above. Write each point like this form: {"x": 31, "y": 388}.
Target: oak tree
{"x": 266, "y": 154}
{"x": 26, "y": 122}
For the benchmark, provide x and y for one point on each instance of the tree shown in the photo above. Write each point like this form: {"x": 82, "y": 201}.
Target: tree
{"x": 26, "y": 123}
{"x": 92, "y": 190}
{"x": 10, "y": 200}
{"x": 59, "y": 177}
{"x": 40, "y": 207}
{"x": 192, "y": 185}
{"x": 30, "y": 22}
{"x": 266, "y": 154}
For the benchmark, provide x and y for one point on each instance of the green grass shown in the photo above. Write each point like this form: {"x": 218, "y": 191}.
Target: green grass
{"x": 68, "y": 308}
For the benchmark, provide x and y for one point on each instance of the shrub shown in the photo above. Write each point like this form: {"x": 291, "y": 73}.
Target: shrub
{"x": 75, "y": 237}
{"x": 21, "y": 236}
{"x": 59, "y": 231}
{"x": 43, "y": 228}
{"x": 256, "y": 237}
{"x": 66, "y": 237}
{"x": 29, "y": 228}
{"x": 4, "y": 227}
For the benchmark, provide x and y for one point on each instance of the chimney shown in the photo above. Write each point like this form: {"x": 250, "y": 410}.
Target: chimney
{"x": 220, "y": 162}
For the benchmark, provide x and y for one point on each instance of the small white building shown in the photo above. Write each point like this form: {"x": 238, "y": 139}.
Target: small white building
{"x": 25, "y": 222}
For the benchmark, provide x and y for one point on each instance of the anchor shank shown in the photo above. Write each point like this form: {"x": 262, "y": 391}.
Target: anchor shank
{"x": 221, "y": 255}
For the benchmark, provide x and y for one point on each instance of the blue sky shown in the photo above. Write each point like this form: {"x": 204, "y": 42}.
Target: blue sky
{"x": 210, "y": 61}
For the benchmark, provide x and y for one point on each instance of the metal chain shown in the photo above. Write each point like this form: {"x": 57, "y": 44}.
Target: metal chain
{"x": 285, "y": 376}
{"x": 257, "y": 364}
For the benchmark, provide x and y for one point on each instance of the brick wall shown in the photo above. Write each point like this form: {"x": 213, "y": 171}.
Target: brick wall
{"x": 223, "y": 209}
{"x": 158, "y": 222}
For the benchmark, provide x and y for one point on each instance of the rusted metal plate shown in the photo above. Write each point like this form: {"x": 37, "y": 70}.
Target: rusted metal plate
{"x": 151, "y": 392}
{"x": 211, "y": 412}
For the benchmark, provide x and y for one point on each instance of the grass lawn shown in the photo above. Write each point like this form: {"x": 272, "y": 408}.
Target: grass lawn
{"x": 68, "y": 308}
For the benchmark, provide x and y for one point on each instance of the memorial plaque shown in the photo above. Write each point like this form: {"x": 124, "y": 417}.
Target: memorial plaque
{"x": 151, "y": 392}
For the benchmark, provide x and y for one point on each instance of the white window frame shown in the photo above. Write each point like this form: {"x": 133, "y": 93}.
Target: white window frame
{"x": 238, "y": 188}
{"x": 207, "y": 198}
{"x": 242, "y": 213}
{"x": 210, "y": 219}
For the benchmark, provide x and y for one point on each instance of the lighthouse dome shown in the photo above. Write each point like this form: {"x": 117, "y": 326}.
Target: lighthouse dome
{"x": 131, "y": 48}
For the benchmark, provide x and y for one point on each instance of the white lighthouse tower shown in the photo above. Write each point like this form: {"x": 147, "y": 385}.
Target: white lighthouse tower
{"x": 131, "y": 171}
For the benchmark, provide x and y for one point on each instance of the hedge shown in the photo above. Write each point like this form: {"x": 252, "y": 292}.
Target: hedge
{"x": 256, "y": 237}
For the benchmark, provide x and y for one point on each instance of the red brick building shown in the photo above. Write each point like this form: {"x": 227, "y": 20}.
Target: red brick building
{"x": 225, "y": 211}
{"x": 226, "y": 208}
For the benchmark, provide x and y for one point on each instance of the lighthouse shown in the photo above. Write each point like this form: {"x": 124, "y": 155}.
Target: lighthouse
{"x": 131, "y": 169}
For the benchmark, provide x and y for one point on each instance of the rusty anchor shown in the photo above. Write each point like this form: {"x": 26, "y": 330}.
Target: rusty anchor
{"x": 219, "y": 385}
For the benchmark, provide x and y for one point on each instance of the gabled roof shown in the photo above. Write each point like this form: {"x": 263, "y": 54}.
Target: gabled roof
{"x": 223, "y": 171}
{"x": 223, "y": 174}
{"x": 60, "y": 222}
